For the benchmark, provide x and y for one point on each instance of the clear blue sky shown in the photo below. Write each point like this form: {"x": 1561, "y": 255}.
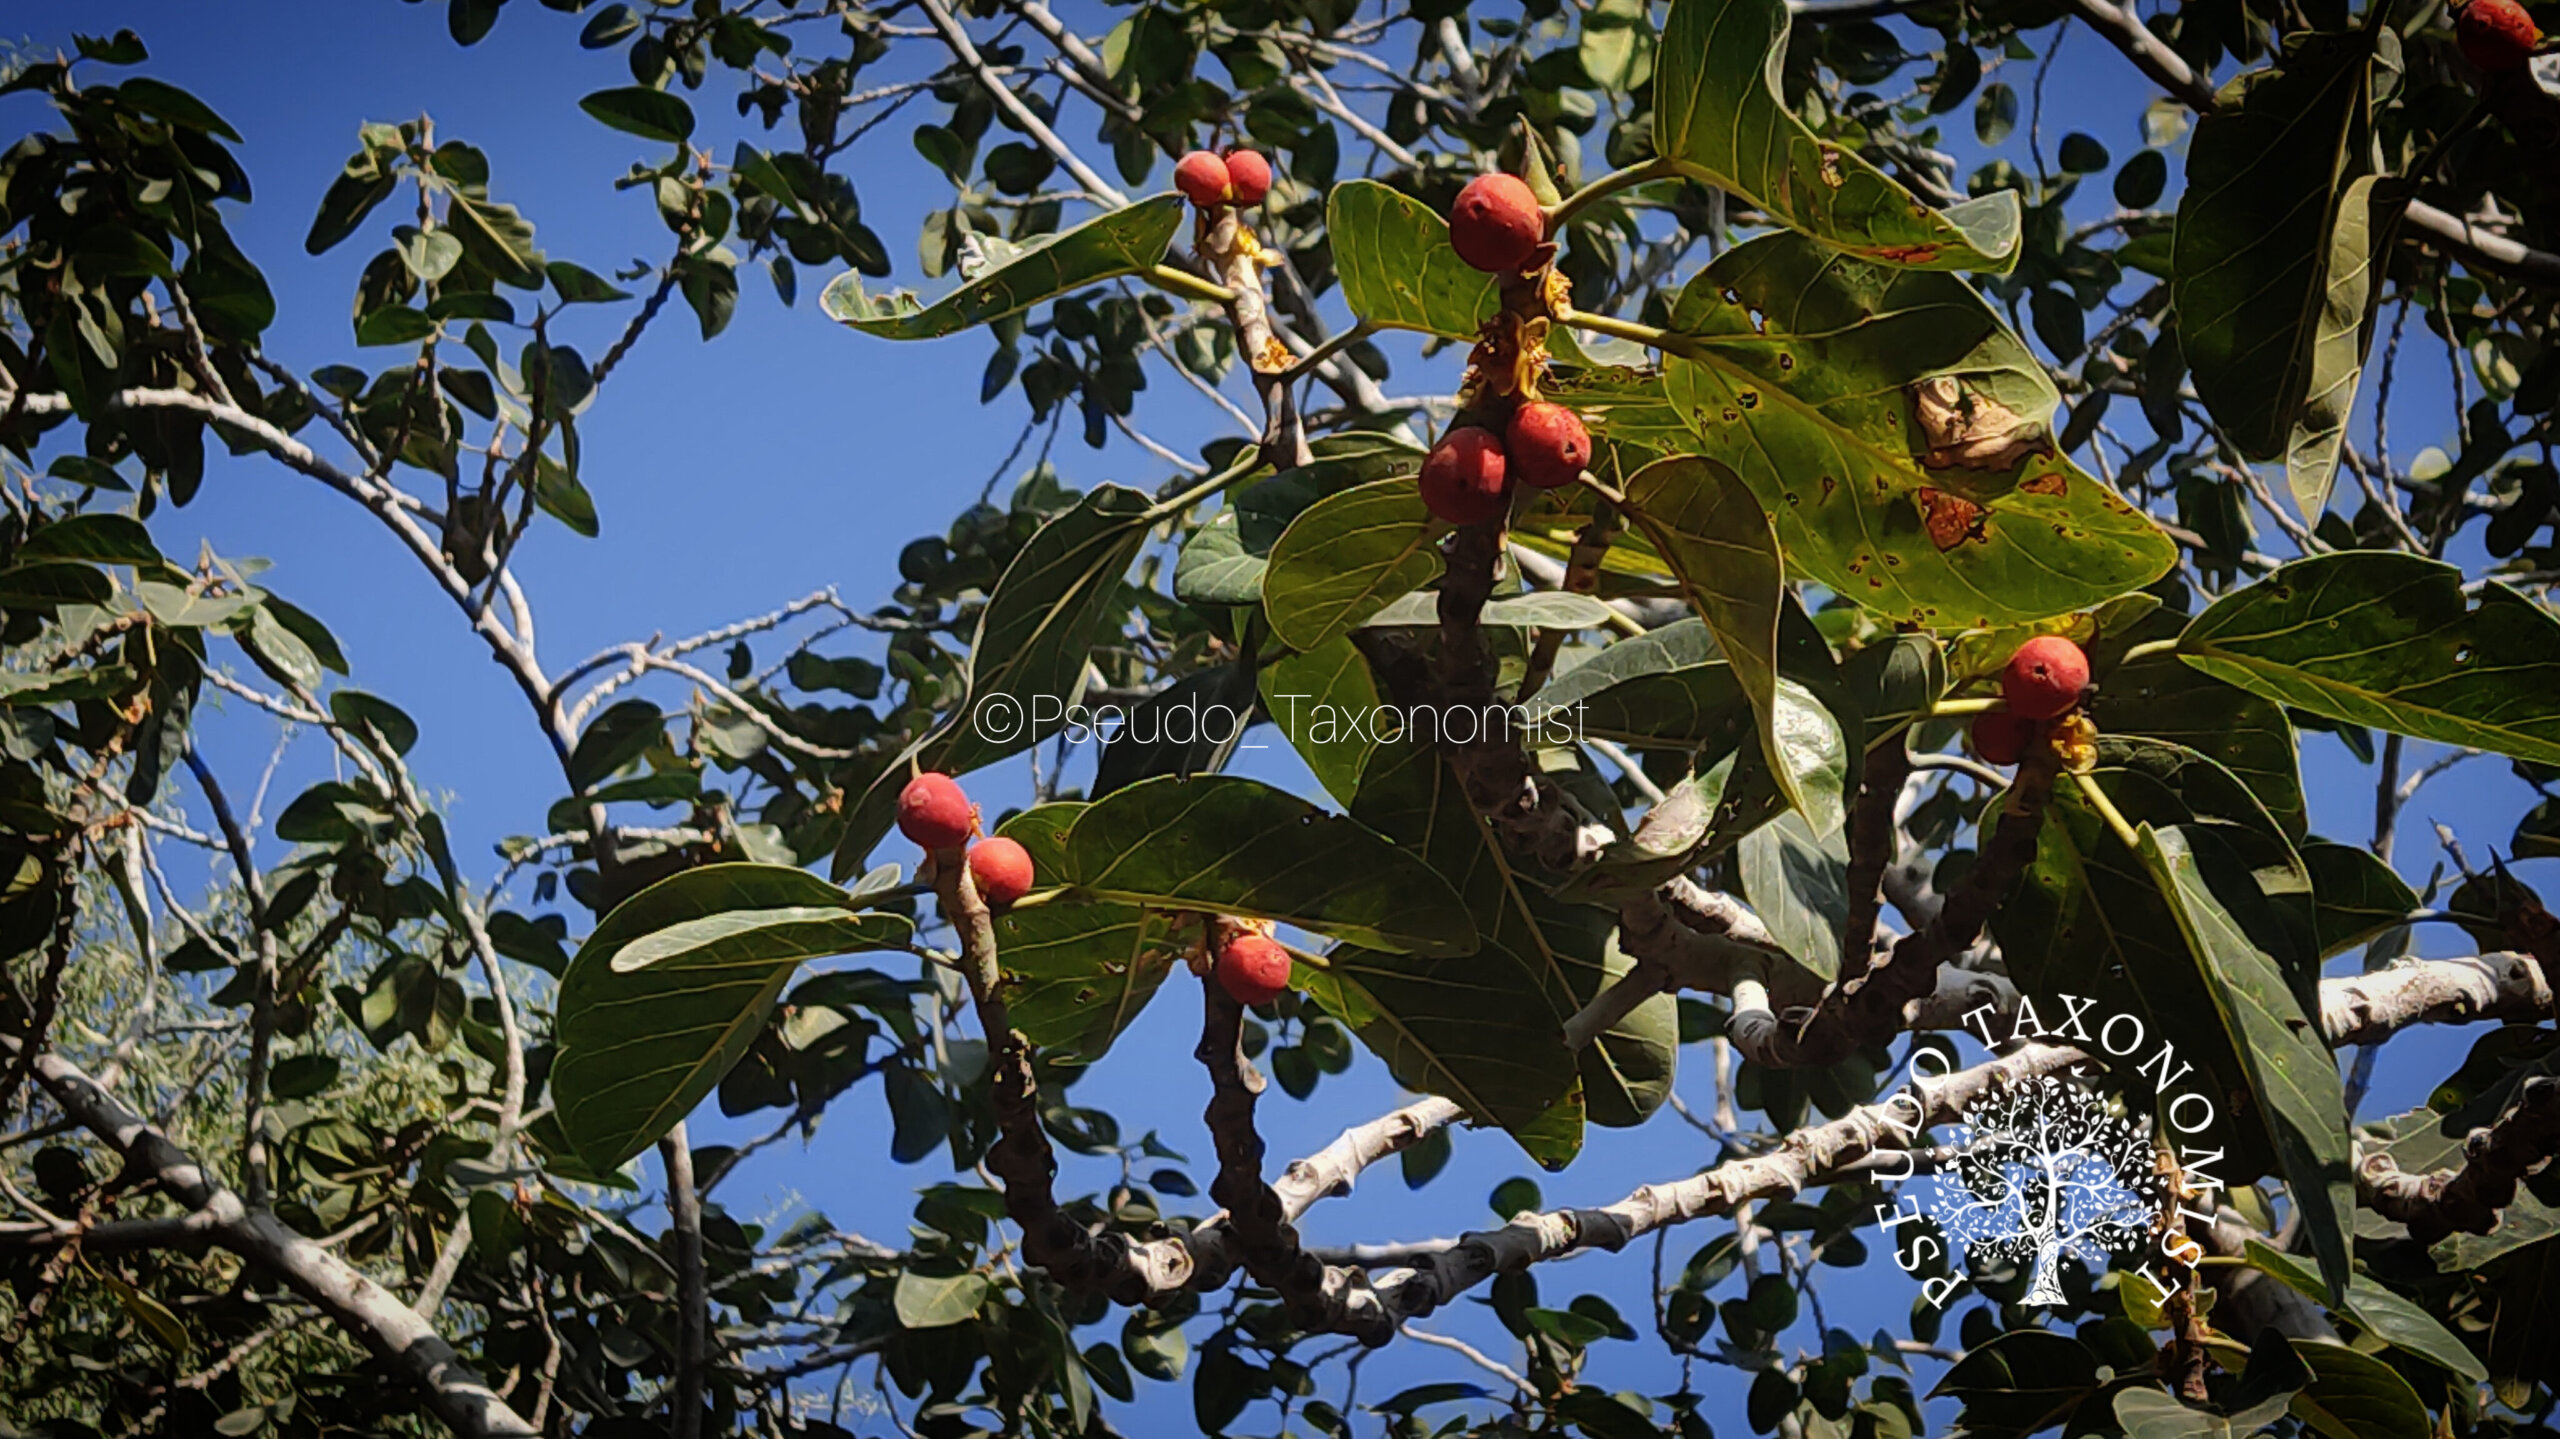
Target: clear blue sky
{"x": 790, "y": 455}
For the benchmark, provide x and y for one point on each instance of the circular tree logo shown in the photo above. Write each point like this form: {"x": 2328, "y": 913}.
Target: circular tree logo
{"x": 2042, "y": 1173}
{"x": 2045, "y": 1170}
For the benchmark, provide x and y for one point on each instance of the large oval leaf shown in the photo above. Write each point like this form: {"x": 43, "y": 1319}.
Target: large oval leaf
{"x": 1487, "y": 1031}
{"x": 1719, "y": 113}
{"x": 1327, "y": 702}
{"x": 673, "y": 986}
{"x": 2387, "y": 640}
{"x": 1239, "y": 846}
{"x": 2355, "y": 896}
{"x": 2215, "y": 956}
{"x": 2250, "y": 736}
{"x": 2273, "y": 272}
{"x": 1344, "y": 558}
{"x": 1076, "y": 975}
{"x": 1721, "y": 547}
{"x": 2292, "y": 1074}
{"x": 1392, "y": 254}
{"x": 1123, "y": 242}
{"x": 1898, "y": 436}
{"x": 1059, "y": 595}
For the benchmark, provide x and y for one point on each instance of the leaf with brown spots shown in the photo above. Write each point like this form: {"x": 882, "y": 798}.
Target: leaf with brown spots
{"x": 1952, "y": 519}
{"x": 1965, "y": 430}
{"x": 1839, "y": 390}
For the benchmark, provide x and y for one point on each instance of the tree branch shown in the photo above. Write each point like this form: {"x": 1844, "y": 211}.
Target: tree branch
{"x": 2370, "y": 1008}
{"x": 1318, "y": 1294}
{"x": 957, "y": 40}
{"x": 2495, "y": 1160}
{"x": 1803, "y": 1160}
{"x": 1869, "y": 1008}
{"x": 364, "y": 1309}
{"x": 693, "y": 1300}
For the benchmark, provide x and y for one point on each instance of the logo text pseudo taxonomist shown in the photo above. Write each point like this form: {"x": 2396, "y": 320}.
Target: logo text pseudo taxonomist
{"x": 2061, "y": 1166}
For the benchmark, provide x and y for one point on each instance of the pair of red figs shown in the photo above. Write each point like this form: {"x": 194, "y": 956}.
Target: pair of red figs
{"x": 1208, "y": 179}
{"x": 935, "y": 812}
{"x": 2045, "y": 680}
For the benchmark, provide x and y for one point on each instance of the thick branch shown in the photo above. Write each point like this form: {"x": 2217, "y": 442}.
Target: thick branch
{"x": 1801, "y": 1162}
{"x": 2495, "y": 1160}
{"x": 1319, "y": 1295}
{"x": 364, "y": 1309}
{"x": 2370, "y": 1008}
{"x": 1869, "y": 1009}
{"x": 1328, "y": 1172}
{"x": 1021, "y": 1160}
{"x": 693, "y": 1300}
{"x": 1874, "y": 842}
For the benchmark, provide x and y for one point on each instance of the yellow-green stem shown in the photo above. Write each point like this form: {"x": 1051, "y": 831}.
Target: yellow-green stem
{"x": 1187, "y": 285}
{"x": 1609, "y": 184}
{"x": 2107, "y": 810}
{"x": 1247, "y": 461}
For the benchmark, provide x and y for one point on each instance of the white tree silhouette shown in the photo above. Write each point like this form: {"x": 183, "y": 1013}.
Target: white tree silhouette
{"x": 2043, "y": 1171}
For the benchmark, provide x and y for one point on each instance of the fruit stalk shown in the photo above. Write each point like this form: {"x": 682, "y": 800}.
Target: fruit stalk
{"x": 1228, "y": 247}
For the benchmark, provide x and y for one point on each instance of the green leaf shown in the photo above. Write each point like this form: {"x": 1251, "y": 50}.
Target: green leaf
{"x": 1216, "y": 568}
{"x": 1327, "y": 702}
{"x": 156, "y": 1317}
{"x": 1665, "y": 688}
{"x": 2218, "y": 961}
{"x": 181, "y": 608}
{"x": 1799, "y": 889}
{"x": 1077, "y": 974}
{"x": 360, "y": 712}
{"x": 1191, "y": 726}
{"x": 613, "y": 739}
{"x": 394, "y": 325}
{"x": 1123, "y": 242}
{"x": 1059, "y": 595}
{"x": 1397, "y": 270}
{"x": 2164, "y": 699}
{"x": 1344, "y": 558}
{"x": 2355, "y": 1396}
{"x": 1239, "y": 846}
{"x": 2292, "y": 1074}
{"x": 673, "y": 986}
{"x": 2021, "y": 1381}
{"x": 1719, "y": 114}
{"x": 926, "y": 1301}
{"x": 579, "y": 285}
{"x": 2355, "y": 895}
{"x": 41, "y": 586}
{"x": 1720, "y": 545}
{"x": 1470, "y": 1029}
{"x": 2276, "y": 232}
{"x": 109, "y": 539}
{"x": 1900, "y": 438}
{"x": 2376, "y": 1310}
{"x": 302, "y": 1076}
{"x": 499, "y": 240}
{"x": 168, "y": 102}
{"x": 2146, "y": 1413}
{"x": 2388, "y": 640}
{"x": 350, "y": 198}
{"x": 639, "y": 110}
